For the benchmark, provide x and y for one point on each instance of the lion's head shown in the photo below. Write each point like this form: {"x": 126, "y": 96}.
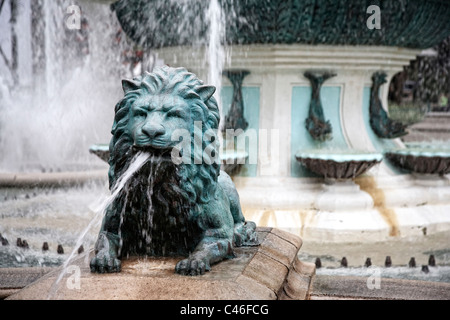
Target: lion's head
{"x": 154, "y": 106}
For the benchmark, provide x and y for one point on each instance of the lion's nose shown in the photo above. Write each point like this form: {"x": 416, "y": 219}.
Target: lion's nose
{"x": 153, "y": 129}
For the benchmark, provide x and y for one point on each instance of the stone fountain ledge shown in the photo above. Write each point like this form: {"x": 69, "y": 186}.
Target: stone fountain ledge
{"x": 267, "y": 272}
{"x": 51, "y": 179}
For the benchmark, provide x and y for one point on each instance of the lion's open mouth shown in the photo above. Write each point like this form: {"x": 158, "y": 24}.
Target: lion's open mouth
{"x": 163, "y": 154}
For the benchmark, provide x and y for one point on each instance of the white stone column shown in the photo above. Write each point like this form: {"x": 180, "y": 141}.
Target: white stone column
{"x": 352, "y": 118}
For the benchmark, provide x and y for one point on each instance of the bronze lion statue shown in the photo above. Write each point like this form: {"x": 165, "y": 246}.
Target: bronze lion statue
{"x": 187, "y": 209}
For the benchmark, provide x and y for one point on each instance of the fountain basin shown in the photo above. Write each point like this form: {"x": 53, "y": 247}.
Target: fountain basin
{"x": 421, "y": 160}
{"x": 232, "y": 161}
{"x": 336, "y": 164}
{"x": 339, "y": 168}
{"x": 101, "y": 151}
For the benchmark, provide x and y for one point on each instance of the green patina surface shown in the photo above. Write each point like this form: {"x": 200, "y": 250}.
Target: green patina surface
{"x": 412, "y": 23}
{"x": 169, "y": 208}
{"x": 300, "y": 137}
{"x": 380, "y": 144}
{"x": 234, "y": 118}
{"x": 318, "y": 127}
{"x": 251, "y": 101}
{"x": 381, "y": 124}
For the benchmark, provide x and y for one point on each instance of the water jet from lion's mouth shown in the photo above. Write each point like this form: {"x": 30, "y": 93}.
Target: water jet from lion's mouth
{"x": 138, "y": 161}
{"x": 135, "y": 165}
{"x": 153, "y": 176}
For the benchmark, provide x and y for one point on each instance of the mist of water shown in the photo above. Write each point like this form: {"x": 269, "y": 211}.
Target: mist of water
{"x": 64, "y": 100}
{"x": 65, "y": 103}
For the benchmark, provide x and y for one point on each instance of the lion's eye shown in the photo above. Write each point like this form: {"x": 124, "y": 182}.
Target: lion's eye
{"x": 176, "y": 113}
{"x": 139, "y": 114}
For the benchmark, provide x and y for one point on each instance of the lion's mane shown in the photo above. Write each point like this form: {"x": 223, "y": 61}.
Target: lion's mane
{"x": 197, "y": 182}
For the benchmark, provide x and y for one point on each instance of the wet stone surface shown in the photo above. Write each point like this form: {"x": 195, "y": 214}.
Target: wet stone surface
{"x": 253, "y": 274}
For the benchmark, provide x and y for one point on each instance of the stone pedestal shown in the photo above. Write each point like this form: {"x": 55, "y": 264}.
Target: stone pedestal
{"x": 269, "y": 271}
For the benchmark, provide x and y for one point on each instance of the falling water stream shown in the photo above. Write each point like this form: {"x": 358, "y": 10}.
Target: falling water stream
{"x": 216, "y": 53}
{"x": 136, "y": 163}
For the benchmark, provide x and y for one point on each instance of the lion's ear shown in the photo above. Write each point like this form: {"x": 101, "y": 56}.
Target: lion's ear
{"x": 206, "y": 92}
{"x": 129, "y": 85}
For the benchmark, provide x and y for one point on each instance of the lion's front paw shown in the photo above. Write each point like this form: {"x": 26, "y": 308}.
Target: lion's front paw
{"x": 105, "y": 263}
{"x": 245, "y": 234}
{"x": 106, "y": 258}
{"x": 192, "y": 267}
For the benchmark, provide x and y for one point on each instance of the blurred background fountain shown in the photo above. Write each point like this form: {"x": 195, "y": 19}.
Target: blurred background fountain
{"x": 59, "y": 85}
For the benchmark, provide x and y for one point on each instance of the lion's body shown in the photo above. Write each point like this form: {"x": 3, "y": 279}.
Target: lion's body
{"x": 167, "y": 208}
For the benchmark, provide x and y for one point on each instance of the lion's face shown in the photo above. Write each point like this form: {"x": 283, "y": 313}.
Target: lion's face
{"x": 158, "y": 113}
{"x": 154, "y": 118}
